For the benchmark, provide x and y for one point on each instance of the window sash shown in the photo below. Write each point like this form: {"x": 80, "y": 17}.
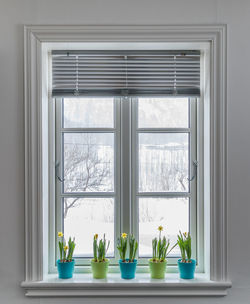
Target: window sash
{"x": 191, "y": 194}
{"x": 126, "y": 213}
{"x": 60, "y": 194}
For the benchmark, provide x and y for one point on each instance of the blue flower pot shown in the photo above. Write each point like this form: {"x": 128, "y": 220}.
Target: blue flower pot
{"x": 65, "y": 269}
{"x": 128, "y": 269}
{"x": 186, "y": 269}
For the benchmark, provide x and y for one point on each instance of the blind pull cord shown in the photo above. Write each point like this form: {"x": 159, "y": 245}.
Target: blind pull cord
{"x": 175, "y": 90}
{"x": 76, "y": 92}
{"x": 125, "y": 91}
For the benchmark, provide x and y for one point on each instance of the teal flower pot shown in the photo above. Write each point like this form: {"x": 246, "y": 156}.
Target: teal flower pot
{"x": 186, "y": 269}
{"x": 128, "y": 269}
{"x": 65, "y": 269}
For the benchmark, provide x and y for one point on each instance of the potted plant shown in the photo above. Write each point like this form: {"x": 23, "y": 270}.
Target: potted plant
{"x": 99, "y": 263}
{"x": 158, "y": 262}
{"x": 65, "y": 265}
{"x": 127, "y": 265}
{"x": 186, "y": 265}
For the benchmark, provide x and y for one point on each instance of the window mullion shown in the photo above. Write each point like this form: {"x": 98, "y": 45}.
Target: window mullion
{"x": 125, "y": 165}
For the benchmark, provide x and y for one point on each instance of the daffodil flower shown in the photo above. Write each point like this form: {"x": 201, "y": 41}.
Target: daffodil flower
{"x": 60, "y": 234}
{"x": 160, "y": 228}
{"x": 124, "y": 235}
{"x": 65, "y": 248}
{"x": 96, "y": 236}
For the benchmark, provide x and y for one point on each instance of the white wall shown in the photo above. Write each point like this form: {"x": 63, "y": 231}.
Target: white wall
{"x": 14, "y": 14}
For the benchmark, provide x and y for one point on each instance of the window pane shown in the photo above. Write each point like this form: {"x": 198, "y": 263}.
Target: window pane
{"x": 88, "y": 113}
{"x": 163, "y": 162}
{"x": 83, "y": 217}
{"x": 171, "y": 213}
{"x": 163, "y": 112}
{"x": 88, "y": 162}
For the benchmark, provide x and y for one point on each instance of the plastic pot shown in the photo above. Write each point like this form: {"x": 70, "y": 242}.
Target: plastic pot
{"x": 128, "y": 269}
{"x": 65, "y": 269}
{"x": 100, "y": 269}
{"x": 186, "y": 270}
{"x": 157, "y": 269}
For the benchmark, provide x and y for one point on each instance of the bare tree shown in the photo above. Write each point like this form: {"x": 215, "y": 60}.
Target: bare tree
{"x": 84, "y": 170}
{"x": 172, "y": 176}
{"x": 181, "y": 178}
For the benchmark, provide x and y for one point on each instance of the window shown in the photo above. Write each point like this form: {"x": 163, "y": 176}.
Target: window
{"x": 40, "y": 174}
{"x": 109, "y": 147}
{"x": 124, "y": 161}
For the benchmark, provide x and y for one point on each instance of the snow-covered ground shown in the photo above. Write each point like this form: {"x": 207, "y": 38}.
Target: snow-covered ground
{"x": 92, "y": 216}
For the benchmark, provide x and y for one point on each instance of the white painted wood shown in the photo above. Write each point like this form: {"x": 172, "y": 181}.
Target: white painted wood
{"x": 114, "y": 286}
{"x": 35, "y": 38}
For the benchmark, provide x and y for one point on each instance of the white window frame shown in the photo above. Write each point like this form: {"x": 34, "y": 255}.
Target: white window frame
{"x": 37, "y": 40}
{"x": 125, "y": 170}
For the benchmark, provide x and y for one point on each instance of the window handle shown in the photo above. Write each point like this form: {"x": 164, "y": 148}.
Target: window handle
{"x": 195, "y": 166}
{"x": 57, "y": 172}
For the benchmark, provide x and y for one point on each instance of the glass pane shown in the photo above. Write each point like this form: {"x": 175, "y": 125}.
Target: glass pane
{"x": 163, "y": 162}
{"x": 171, "y": 213}
{"x": 83, "y": 217}
{"x": 163, "y": 112}
{"x": 88, "y": 162}
{"x": 88, "y": 113}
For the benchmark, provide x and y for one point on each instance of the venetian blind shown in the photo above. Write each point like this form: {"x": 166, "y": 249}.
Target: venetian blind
{"x": 125, "y": 73}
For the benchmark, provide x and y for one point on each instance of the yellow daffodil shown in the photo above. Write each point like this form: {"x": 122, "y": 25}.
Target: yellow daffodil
{"x": 60, "y": 234}
{"x": 96, "y": 236}
{"x": 65, "y": 248}
{"x": 185, "y": 234}
{"x": 124, "y": 235}
{"x": 160, "y": 228}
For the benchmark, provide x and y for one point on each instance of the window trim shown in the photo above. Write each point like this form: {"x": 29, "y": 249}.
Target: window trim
{"x": 37, "y": 40}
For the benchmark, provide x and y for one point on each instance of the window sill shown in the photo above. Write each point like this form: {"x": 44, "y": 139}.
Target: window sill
{"x": 82, "y": 285}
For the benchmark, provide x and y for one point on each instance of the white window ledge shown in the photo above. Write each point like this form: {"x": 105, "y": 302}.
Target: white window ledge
{"x": 83, "y": 285}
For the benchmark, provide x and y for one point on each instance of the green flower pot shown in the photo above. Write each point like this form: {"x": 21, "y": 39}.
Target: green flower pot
{"x": 157, "y": 269}
{"x": 99, "y": 269}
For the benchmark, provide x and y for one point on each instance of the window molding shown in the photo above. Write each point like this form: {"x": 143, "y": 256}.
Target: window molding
{"x": 36, "y": 177}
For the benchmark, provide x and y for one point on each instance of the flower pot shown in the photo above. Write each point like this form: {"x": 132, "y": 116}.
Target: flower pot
{"x": 100, "y": 269}
{"x": 157, "y": 269}
{"x": 65, "y": 269}
{"x": 128, "y": 269}
{"x": 186, "y": 269}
